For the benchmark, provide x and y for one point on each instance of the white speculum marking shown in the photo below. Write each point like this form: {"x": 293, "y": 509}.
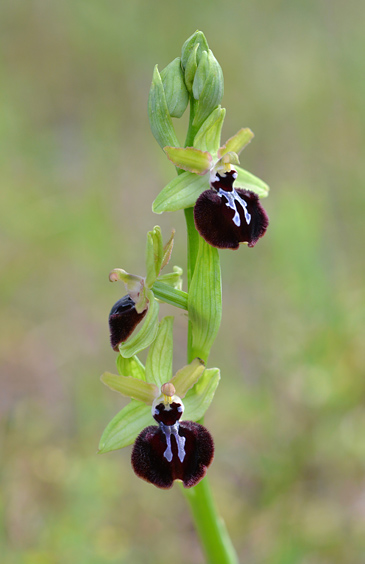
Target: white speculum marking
{"x": 232, "y": 198}
{"x": 180, "y": 441}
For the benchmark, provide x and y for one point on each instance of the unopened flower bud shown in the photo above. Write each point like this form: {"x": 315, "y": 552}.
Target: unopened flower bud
{"x": 176, "y": 94}
{"x": 208, "y": 86}
{"x": 191, "y": 53}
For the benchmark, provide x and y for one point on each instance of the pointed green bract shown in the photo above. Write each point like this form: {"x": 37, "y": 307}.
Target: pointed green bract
{"x": 190, "y": 68}
{"x": 124, "y": 428}
{"x": 131, "y": 387}
{"x": 146, "y": 334}
{"x": 182, "y": 192}
{"x": 159, "y": 359}
{"x": 158, "y": 114}
{"x": 176, "y": 94}
{"x": 208, "y": 137}
{"x": 190, "y": 159}
{"x": 167, "y": 250}
{"x": 186, "y": 377}
{"x": 205, "y": 300}
{"x": 238, "y": 142}
{"x": 248, "y": 181}
{"x": 130, "y": 367}
{"x": 199, "y": 398}
{"x": 154, "y": 255}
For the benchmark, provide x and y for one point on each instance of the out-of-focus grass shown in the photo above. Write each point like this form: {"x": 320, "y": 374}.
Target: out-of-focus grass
{"x": 79, "y": 170}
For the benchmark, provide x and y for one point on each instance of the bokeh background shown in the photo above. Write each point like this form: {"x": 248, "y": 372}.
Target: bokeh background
{"x": 79, "y": 170}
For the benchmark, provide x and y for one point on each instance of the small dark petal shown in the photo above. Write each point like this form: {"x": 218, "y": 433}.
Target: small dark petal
{"x": 150, "y": 464}
{"x": 123, "y": 319}
{"x": 214, "y": 220}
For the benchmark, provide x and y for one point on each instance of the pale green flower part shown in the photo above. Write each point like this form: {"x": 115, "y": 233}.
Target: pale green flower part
{"x": 201, "y": 163}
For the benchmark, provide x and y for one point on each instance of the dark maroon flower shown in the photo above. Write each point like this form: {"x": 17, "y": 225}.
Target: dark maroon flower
{"x": 226, "y": 217}
{"x": 174, "y": 450}
{"x": 123, "y": 319}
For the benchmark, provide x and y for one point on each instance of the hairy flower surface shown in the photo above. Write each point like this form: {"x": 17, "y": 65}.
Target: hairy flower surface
{"x": 226, "y": 217}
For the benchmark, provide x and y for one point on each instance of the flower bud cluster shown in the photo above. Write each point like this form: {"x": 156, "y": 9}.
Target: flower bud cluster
{"x": 196, "y": 76}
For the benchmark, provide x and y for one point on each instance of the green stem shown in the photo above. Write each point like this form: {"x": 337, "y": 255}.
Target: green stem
{"x": 210, "y": 526}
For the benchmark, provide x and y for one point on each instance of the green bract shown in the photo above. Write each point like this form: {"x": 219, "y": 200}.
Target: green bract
{"x": 159, "y": 115}
{"x": 205, "y": 299}
{"x": 193, "y": 382}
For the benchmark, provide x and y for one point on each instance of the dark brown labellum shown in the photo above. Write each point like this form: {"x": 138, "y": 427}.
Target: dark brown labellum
{"x": 182, "y": 451}
{"x": 226, "y": 217}
{"x": 123, "y": 319}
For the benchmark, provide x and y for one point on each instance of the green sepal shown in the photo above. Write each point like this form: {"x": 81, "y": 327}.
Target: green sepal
{"x": 154, "y": 255}
{"x": 124, "y": 428}
{"x": 176, "y": 94}
{"x": 210, "y": 87}
{"x": 238, "y": 142}
{"x": 187, "y": 377}
{"x": 159, "y": 359}
{"x": 248, "y": 181}
{"x": 130, "y": 367}
{"x": 167, "y": 250}
{"x": 205, "y": 300}
{"x": 182, "y": 192}
{"x": 158, "y": 114}
{"x": 199, "y": 398}
{"x": 190, "y": 159}
{"x": 131, "y": 387}
{"x": 208, "y": 136}
{"x": 146, "y": 334}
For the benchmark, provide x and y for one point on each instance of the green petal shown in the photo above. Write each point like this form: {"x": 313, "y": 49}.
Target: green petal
{"x": 159, "y": 359}
{"x": 199, "y": 398}
{"x": 158, "y": 114}
{"x": 186, "y": 377}
{"x": 208, "y": 137}
{"x": 131, "y": 387}
{"x": 167, "y": 250}
{"x": 124, "y": 428}
{"x": 205, "y": 300}
{"x": 182, "y": 192}
{"x": 147, "y": 333}
{"x": 130, "y": 367}
{"x": 236, "y": 143}
{"x": 154, "y": 255}
{"x": 189, "y": 159}
{"x": 248, "y": 181}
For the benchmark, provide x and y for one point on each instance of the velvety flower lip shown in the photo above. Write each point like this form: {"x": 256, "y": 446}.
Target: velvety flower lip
{"x": 175, "y": 450}
{"x": 225, "y": 216}
{"x": 123, "y": 319}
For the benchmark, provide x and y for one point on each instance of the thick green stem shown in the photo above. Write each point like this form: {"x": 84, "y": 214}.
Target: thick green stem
{"x": 213, "y": 534}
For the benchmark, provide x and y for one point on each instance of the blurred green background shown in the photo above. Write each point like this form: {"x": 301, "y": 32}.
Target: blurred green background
{"x": 79, "y": 170}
